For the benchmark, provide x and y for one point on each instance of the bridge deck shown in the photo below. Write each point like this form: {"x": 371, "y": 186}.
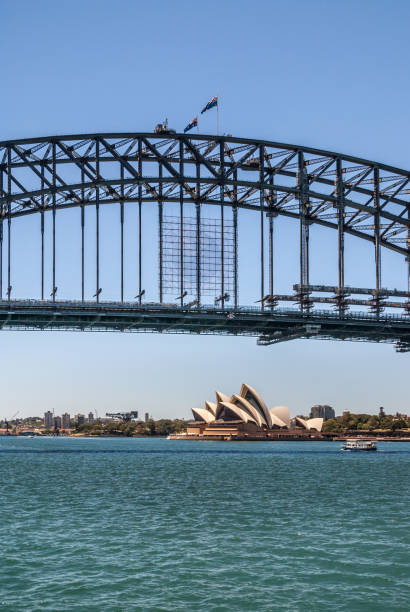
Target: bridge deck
{"x": 269, "y": 325}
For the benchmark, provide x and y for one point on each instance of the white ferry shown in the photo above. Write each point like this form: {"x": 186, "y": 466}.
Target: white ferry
{"x": 359, "y": 445}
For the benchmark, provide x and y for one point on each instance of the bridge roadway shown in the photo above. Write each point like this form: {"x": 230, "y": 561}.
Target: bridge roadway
{"x": 268, "y": 325}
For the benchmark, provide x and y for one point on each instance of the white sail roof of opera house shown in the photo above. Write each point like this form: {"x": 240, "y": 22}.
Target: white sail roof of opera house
{"x": 248, "y": 407}
{"x": 259, "y": 419}
{"x": 201, "y": 414}
{"x": 220, "y": 397}
{"x": 310, "y": 423}
{"x": 212, "y": 407}
{"x": 276, "y": 420}
{"x": 238, "y": 412}
{"x": 255, "y": 399}
{"x": 282, "y": 413}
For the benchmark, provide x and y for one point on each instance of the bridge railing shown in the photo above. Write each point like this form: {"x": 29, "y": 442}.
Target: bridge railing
{"x": 49, "y": 305}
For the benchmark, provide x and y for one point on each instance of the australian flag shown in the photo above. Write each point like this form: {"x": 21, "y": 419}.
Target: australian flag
{"x": 211, "y": 104}
{"x": 193, "y": 123}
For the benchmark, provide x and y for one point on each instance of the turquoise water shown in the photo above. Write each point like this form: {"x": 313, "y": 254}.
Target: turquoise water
{"x": 152, "y": 525}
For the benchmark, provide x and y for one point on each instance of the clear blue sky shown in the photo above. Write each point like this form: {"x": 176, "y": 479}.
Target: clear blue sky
{"x": 332, "y": 75}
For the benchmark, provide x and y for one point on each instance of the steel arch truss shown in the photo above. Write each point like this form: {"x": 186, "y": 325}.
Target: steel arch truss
{"x": 353, "y": 196}
{"x": 366, "y": 199}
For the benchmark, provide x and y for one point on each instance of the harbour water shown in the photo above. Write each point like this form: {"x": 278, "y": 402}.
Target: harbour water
{"x": 158, "y": 525}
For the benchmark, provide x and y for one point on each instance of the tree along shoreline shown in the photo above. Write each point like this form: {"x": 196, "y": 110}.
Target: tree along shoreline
{"x": 139, "y": 429}
{"x": 346, "y": 425}
{"x": 380, "y": 424}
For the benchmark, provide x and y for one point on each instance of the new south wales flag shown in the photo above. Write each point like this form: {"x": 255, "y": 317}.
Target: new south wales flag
{"x": 211, "y": 104}
{"x": 191, "y": 124}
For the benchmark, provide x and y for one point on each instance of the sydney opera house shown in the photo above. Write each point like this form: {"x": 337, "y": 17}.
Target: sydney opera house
{"x": 246, "y": 416}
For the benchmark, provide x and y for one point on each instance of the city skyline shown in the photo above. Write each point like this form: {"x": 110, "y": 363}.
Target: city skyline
{"x": 51, "y": 420}
{"x": 301, "y": 408}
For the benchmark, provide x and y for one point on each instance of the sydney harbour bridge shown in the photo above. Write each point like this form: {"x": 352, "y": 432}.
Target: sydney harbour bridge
{"x": 202, "y": 214}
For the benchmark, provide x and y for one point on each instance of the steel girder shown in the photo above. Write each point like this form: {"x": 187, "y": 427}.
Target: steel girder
{"x": 352, "y": 195}
{"x": 271, "y": 328}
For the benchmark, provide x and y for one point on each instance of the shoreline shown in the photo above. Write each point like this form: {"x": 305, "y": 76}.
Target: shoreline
{"x": 289, "y": 439}
{"x": 220, "y": 438}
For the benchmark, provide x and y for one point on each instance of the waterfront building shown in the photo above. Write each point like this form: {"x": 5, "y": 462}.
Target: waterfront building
{"x": 324, "y": 412}
{"x": 90, "y": 418}
{"x": 247, "y": 415}
{"x": 79, "y": 419}
{"x": 65, "y": 421}
{"x": 48, "y": 420}
{"x": 57, "y": 422}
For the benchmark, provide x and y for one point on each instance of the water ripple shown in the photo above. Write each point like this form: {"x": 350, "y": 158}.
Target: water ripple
{"x": 156, "y": 525}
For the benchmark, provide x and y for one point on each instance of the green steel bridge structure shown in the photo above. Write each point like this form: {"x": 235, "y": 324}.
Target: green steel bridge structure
{"x": 197, "y": 262}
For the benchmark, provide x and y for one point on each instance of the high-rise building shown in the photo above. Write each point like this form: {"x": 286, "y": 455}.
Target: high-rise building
{"x": 146, "y": 417}
{"x": 325, "y": 412}
{"x": 65, "y": 421}
{"x": 57, "y": 422}
{"x": 48, "y": 420}
{"x": 79, "y": 419}
{"x": 90, "y": 418}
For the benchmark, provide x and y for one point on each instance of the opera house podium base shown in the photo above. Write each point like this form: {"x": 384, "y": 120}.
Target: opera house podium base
{"x": 239, "y": 431}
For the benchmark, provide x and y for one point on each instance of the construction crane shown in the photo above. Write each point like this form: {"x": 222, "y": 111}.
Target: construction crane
{"x": 126, "y": 417}
{"x": 7, "y": 422}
